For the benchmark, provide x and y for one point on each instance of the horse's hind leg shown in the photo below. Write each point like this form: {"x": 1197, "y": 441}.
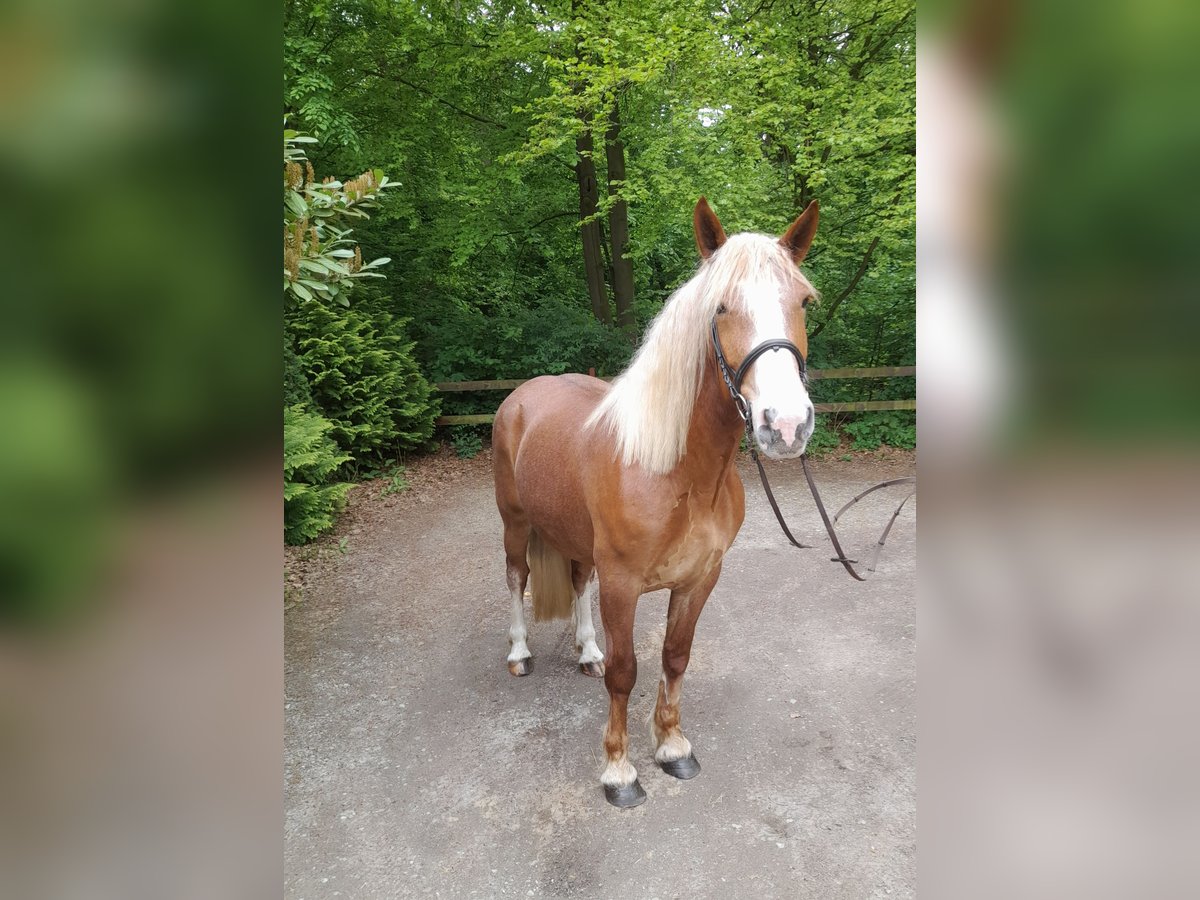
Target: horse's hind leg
{"x": 516, "y": 543}
{"x": 673, "y": 752}
{"x": 591, "y": 660}
{"x": 505, "y": 437}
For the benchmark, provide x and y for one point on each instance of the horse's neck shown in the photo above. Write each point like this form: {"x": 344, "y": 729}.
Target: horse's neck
{"x": 714, "y": 432}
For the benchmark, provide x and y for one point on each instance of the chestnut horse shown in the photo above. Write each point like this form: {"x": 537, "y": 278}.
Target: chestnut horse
{"x": 636, "y": 483}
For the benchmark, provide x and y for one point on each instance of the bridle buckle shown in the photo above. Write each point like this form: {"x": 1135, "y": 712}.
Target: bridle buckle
{"x": 743, "y": 406}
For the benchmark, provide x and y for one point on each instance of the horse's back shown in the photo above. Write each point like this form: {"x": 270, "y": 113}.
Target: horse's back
{"x": 554, "y": 406}
{"x": 563, "y": 398}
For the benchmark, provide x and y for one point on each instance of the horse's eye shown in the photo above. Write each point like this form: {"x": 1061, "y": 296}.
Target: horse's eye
{"x": 721, "y": 310}
{"x": 804, "y": 302}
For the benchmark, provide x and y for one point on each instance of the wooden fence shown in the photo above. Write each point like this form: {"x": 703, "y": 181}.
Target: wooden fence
{"x": 813, "y": 374}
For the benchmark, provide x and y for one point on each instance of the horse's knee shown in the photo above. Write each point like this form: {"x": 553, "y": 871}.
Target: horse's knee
{"x": 620, "y": 673}
{"x": 675, "y": 664}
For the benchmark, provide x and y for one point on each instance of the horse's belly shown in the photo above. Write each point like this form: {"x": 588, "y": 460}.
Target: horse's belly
{"x": 555, "y": 506}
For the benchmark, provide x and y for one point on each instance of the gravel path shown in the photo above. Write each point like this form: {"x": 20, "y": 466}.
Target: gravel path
{"x": 416, "y": 766}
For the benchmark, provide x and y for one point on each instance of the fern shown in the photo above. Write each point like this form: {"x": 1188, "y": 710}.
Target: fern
{"x": 311, "y": 500}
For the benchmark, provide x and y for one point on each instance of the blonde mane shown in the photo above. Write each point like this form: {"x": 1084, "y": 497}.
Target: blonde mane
{"x": 649, "y": 407}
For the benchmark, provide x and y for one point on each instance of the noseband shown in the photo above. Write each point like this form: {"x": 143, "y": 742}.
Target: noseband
{"x": 734, "y": 383}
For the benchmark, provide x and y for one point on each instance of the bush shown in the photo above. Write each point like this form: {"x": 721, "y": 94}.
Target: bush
{"x": 311, "y": 499}
{"x": 870, "y": 430}
{"x": 824, "y": 438}
{"x": 467, "y": 440}
{"x": 295, "y": 383}
{"x": 353, "y": 364}
{"x": 464, "y": 343}
{"x": 320, "y": 260}
{"x": 358, "y": 365}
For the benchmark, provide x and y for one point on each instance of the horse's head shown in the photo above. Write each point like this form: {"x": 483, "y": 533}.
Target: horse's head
{"x": 763, "y": 297}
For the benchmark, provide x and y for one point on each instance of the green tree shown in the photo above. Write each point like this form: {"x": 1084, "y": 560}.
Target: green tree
{"x": 552, "y": 153}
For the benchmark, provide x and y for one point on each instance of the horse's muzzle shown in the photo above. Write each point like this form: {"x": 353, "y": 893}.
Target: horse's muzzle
{"x": 773, "y": 446}
{"x": 784, "y": 437}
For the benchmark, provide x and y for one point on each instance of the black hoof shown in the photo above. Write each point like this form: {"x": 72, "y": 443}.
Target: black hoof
{"x": 688, "y": 767}
{"x": 594, "y": 669}
{"x": 625, "y": 796}
{"x": 521, "y": 666}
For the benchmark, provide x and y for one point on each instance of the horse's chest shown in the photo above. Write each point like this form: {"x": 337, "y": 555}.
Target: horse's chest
{"x": 695, "y": 542}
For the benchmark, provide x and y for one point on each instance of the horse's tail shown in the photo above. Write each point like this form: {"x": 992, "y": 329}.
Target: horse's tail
{"x": 549, "y": 581}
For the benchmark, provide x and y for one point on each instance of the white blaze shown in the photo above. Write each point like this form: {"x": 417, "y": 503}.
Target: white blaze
{"x": 776, "y": 375}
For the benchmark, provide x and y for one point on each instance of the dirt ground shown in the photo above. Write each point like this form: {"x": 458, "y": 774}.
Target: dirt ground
{"x": 417, "y": 766}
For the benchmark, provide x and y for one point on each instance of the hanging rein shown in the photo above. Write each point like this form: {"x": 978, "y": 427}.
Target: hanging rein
{"x": 733, "y": 381}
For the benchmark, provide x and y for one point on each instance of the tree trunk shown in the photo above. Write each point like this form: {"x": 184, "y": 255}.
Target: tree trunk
{"x": 618, "y": 223}
{"x": 589, "y": 198}
{"x": 593, "y": 260}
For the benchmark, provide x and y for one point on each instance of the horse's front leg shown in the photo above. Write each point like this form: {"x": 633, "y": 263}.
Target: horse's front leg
{"x": 673, "y": 752}
{"x": 618, "y": 602}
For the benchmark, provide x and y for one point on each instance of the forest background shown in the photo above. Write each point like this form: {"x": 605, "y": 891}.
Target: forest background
{"x": 519, "y": 185}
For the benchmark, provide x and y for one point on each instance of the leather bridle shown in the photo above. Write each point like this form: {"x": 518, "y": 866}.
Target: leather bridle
{"x": 733, "y": 381}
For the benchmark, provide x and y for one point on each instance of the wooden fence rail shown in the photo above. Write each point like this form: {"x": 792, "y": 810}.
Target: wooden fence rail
{"x": 508, "y": 384}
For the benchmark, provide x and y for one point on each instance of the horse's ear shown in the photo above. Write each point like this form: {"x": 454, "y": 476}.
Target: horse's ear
{"x": 800, "y": 235}
{"x": 709, "y": 233}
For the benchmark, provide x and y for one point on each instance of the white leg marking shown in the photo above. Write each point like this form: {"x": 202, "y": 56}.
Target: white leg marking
{"x": 619, "y": 773}
{"x": 672, "y": 745}
{"x": 676, "y": 746}
{"x": 516, "y": 630}
{"x": 585, "y": 631}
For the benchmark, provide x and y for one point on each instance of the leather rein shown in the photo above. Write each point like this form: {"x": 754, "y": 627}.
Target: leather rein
{"x": 733, "y": 381}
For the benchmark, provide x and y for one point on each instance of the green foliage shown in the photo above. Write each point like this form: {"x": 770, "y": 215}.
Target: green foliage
{"x": 361, "y": 375}
{"x": 295, "y": 384}
{"x": 467, "y": 343}
{"x": 894, "y": 428}
{"x": 466, "y": 439}
{"x": 396, "y": 484}
{"x": 353, "y": 364}
{"x": 760, "y": 107}
{"x": 319, "y": 259}
{"x": 311, "y": 499}
{"x": 824, "y": 437}
{"x": 310, "y": 85}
